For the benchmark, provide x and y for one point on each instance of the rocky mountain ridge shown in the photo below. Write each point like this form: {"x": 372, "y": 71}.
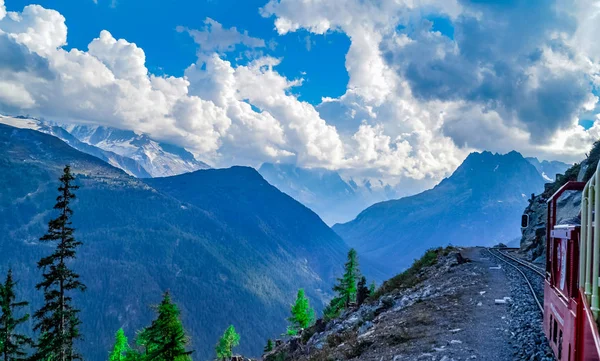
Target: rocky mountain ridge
{"x": 137, "y": 154}
{"x": 479, "y": 204}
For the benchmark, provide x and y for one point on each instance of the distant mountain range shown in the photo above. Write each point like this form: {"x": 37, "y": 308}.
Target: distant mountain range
{"x": 137, "y": 154}
{"x": 324, "y": 191}
{"x": 479, "y": 204}
{"x": 549, "y": 169}
{"x": 338, "y": 200}
{"x": 231, "y": 248}
{"x": 159, "y": 159}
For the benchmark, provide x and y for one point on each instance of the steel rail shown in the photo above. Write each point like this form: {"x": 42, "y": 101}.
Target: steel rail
{"x": 529, "y": 265}
{"x": 535, "y": 297}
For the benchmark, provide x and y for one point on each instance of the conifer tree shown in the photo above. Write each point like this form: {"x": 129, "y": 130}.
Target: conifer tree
{"x": 165, "y": 339}
{"x": 302, "y": 314}
{"x": 12, "y": 343}
{"x": 269, "y": 347}
{"x": 58, "y": 319}
{"x": 362, "y": 291}
{"x": 372, "y": 288}
{"x": 346, "y": 286}
{"x": 226, "y": 343}
{"x": 121, "y": 347}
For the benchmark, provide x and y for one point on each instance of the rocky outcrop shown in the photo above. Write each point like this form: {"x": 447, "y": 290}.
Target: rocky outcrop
{"x": 377, "y": 327}
{"x": 533, "y": 240}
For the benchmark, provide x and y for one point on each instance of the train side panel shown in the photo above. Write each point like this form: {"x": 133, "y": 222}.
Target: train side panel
{"x": 560, "y": 324}
{"x": 560, "y": 292}
{"x": 588, "y": 345}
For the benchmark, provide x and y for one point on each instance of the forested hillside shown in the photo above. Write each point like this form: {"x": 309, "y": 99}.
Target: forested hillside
{"x": 140, "y": 239}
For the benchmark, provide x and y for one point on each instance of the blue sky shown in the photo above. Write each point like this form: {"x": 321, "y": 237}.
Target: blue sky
{"x": 152, "y": 27}
{"x": 410, "y": 88}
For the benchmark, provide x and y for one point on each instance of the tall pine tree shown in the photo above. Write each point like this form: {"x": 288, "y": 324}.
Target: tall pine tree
{"x": 346, "y": 286}
{"x": 121, "y": 347}
{"x": 58, "y": 319}
{"x": 165, "y": 339}
{"x": 226, "y": 343}
{"x": 302, "y": 314}
{"x": 12, "y": 344}
{"x": 269, "y": 346}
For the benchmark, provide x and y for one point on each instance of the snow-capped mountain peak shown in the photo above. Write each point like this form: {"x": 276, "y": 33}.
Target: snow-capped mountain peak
{"x": 159, "y": 159}
{"x": 135, "y": 153}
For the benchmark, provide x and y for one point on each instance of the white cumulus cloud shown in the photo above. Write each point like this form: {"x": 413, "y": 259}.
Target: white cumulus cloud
{"x": 417, "y": 101}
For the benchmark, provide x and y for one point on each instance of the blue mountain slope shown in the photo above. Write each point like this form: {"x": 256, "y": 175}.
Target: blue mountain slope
{"x": 324, "y": 191}
{"x": 480, "y": 204}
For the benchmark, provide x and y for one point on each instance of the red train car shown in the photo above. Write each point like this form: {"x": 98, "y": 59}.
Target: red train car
{"x": 571, "y": 299}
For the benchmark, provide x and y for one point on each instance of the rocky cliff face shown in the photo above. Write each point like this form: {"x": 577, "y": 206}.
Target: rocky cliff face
{"x": 533, "y": 240}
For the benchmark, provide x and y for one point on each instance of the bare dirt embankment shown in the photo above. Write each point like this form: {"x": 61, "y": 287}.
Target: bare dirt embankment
{"x": 440, "y": 310}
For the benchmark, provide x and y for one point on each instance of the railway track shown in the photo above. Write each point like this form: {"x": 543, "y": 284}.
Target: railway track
{"x": 524, "y": 268}
{"x": 539, "y": 270}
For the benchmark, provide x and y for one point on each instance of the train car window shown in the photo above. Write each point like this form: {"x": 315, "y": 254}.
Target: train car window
{"x": 560, "y": 339}
{"x": 554, "y": 332}
{"x": 550, "y": 327}
{"x": 569, "y": 357}
{"x": 524, "y": 220}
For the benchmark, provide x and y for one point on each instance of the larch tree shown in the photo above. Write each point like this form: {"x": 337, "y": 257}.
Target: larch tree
{"x": 346, "y": 286}
{"x": 302, "y": 314}
{"x": 372, "y": 288}
{"x": 121, "y": 347}
{"x": 13, "y": 345}
{"x": 165, "y": 339}
{"x": 58, "y": 320}
{"x": 227, "y": 342}
{"x": 362, "y": 292}
{"x": 269, "y": 347}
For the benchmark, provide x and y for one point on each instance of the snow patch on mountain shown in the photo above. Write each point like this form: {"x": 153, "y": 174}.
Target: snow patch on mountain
{"x": 159, "y": 159}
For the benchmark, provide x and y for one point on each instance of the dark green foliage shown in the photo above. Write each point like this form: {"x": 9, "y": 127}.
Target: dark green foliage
{"x": 411, "y": 277}
{"x": 12, "y": 343}
{"x": 227, "y": 342}
{"x": 302, "y": 314}
{"x": 346, "y": 286}
{"x": 372, "y": 288}
{"x": 362, "y": 292}
{"x": 592, "y": 161}
{"x": 58, "y": 319}
{"x": 165, "y": 339}
{"x": 121, "y": 347}
{"x": 269, "y": 346}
